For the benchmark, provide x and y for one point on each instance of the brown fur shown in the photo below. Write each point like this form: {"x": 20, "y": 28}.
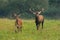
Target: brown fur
{"x": 18, "y": 23}
{"x": 38, "y": 18}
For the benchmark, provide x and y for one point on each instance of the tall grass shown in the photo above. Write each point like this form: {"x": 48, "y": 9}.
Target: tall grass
{"x": 51, "y": 30}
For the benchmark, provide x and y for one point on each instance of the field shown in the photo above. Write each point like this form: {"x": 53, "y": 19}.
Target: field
{"x": 51, "y": 30}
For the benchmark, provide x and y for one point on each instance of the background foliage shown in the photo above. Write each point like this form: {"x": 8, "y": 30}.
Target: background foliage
{"x": 7, "y": 7}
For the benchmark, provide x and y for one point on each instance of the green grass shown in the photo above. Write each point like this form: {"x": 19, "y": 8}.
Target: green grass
{"x": 51, "y": 30}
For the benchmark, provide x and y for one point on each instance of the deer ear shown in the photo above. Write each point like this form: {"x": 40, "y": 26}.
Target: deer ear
{"x": 39, "y": 12}
{"x": 19, "y": 15}
{"x": 15, "y": 14}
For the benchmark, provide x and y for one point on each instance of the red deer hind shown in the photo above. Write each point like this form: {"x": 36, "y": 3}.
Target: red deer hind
{"x": 38, "y": 18}
{"x": 18, "y": 23}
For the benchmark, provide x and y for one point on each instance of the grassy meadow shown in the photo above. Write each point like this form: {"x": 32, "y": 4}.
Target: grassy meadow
{"x": 51, "y": 30}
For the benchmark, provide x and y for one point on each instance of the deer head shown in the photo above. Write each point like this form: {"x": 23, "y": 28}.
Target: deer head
{"x": 37, "y": 12}
{"x": 16, "y": 16}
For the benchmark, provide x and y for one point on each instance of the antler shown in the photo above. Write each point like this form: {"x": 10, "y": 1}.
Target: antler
{"x": 43, "y": 9}
{"x": 39, "y": 12}
{"x": 32, "y": 11}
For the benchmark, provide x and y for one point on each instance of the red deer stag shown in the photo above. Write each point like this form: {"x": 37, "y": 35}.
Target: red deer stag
{"x": 18, "y": 23}
{"x": 38, "y": 18}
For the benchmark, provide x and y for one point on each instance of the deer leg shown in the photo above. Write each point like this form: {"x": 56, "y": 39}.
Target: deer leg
{"x": 15, "y": 28}
{"x": 21, "y": 28}
{"x": 37, "y": 25}
{"x": 42, "y": 24}
{"x": 18, "y": 28}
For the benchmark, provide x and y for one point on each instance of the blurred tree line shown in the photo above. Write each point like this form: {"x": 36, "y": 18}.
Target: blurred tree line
{"x": 8, "y": 7}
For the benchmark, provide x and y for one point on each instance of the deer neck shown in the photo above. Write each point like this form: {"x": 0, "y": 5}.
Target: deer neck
{"x": 17, "y": 18}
